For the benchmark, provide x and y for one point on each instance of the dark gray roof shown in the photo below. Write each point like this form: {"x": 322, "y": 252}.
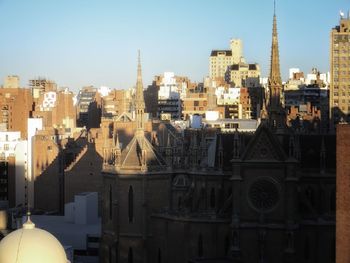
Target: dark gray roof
{"x": 215, "y": 52}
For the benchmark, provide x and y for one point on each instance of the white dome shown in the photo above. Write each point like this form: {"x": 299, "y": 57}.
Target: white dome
{"x": 31, "y": 245}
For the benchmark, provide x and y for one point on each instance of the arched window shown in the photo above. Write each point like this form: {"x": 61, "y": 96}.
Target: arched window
{"x": 131, "y": 204}
{"x": 333, "y": 250}
{"x": 179, "y": 202}
{"x": 229, "y": 192}
{"x": 307, "y": 249}
{"x": 227, "y": 245}
{"x": 159, "y": 256}
{"x": 212, "y": 198}
{"x": 110, "y": 255}
{"x": 309, "y": 192}
{"x": 200, "y": 245}
{"x": 332, "y": 200}
{"x": 110, "y": 203}
{"x": 130, "y": 256}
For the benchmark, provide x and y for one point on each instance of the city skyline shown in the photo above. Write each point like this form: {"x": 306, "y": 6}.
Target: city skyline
{"x": 96, "y": 44}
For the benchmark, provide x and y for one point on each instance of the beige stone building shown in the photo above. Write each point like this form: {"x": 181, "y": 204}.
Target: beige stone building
{"x": 11, "y": 82}
{"x": 243, "y": 75}
{"x": 220, "y": 59}
{"x": 339, "y": 97}
{"x": 116, "y": 103}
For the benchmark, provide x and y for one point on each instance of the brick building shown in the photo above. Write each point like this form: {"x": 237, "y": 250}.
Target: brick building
{"x": 343, "y": 197}
{"x": 16, "y": 106}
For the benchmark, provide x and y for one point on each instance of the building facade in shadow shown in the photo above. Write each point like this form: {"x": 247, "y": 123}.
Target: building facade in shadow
{"x": 200, "y": 195}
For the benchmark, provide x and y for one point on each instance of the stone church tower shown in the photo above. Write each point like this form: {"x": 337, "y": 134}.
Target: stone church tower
{"x": 134, "y": 185}
{"x": 219, "y": 197}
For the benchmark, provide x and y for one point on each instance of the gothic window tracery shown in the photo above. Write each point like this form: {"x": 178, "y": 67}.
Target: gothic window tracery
{"x": 130, "y": 256}
{"x": 110, "y": 202}
{"x": 131, "y": 204}
{"x": 212, "y": 198}
{"x": 264, "y": 194}
{"x": 200, "y": 245}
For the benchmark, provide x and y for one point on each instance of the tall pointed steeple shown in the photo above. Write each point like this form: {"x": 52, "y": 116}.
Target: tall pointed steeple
{"x": 275, "y": 81}
{"x": 277, "y": 116}
{"x": 139, "y": 100}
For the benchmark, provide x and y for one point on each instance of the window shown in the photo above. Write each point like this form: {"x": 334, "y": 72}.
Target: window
{"x": 309, "y": 192}
{"x": 200, "y": 245}
{"x": 227, "y": 245}
{"x": 159, "y": 256}
{"x": 332, "y": 200}
{"x": 131, "y": 204}
{"x": 130, "y": 256}
{"x": 110, "y": 203}
{"x": 110, "y": 255}
{"x": 307, "y": 249}
{"x": 212, "y": 198}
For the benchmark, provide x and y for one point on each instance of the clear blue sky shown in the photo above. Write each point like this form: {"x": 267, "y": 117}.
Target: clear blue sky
{"x": 95, "y": 42}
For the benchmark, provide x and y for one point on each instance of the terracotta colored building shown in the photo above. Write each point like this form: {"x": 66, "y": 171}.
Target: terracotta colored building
{"x": 343, "y": 196}
{"x": 16, "y": 106}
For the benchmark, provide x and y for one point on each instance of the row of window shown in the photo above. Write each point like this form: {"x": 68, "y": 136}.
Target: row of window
{"x": 130, "y": 203}
{"x": 341, "y": 79}
{"x": 307, "y": 248}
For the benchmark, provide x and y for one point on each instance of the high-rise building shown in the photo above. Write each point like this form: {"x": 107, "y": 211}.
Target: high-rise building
{"x": 116, "y": 103}
{"x": 171, "y": 92}
{"x": 16, "y": 105}
{"x": 220, "y": 59}
{"x": 88, "y": 107}
{"x": 11, "y": 82}
{"x": 41, "y": 85}
{"x": 243, "y": 74}
{"x": 340, "y": 71}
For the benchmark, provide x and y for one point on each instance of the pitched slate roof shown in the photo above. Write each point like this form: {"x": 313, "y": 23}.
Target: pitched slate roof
{"x": 131, "y": 158}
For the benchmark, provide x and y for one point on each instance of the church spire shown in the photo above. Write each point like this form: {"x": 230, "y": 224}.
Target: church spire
{"x": 139, "y": 100}
{"x": 275, "y": 74}
{"x": 276, "y": 110}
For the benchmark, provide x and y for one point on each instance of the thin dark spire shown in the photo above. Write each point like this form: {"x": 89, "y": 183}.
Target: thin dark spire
{"x": 274, "y": 7}
{"x": 276, "y": 110}
{"x": 275, "y": 74}
{"x": 275, "y": 80}
{"x": 139, "y": 99}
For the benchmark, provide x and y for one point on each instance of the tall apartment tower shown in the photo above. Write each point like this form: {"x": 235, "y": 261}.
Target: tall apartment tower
{"x": 236, "y": 46}
{"x": 340, "y": 71}
{"x": 220, "y": 59}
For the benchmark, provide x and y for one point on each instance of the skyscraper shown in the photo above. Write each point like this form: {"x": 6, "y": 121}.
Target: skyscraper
{"x": 220, "y": 59}
{"x": 340, "y": 72}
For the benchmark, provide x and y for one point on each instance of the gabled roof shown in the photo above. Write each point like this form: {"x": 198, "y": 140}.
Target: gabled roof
{"x": 264, "y": 146}
{"x": 131, "y": 158}
{"x": 124, "y": 117}
{"x": 214, "y": 53}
